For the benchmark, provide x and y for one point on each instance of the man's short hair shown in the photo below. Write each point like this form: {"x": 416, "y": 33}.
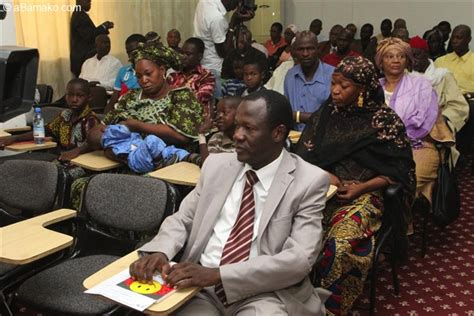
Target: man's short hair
{"x": 175, "y": 31}
{"x": 464, "y": 29}
{"x": 278, "y": 108}
{"x": 232, "y": 101}
{"x": 307, "y": 33}
{"x": 135, "y": 38}
{"x": 368, "y": 25}
{"x": 444, "y": 23}
{"x": 197, "y": 42}
{"x": 246, "y": 31}
{"x": 82, "y": 82}
{"x": 253, "y": 61}
{"x": 279, "y": 26}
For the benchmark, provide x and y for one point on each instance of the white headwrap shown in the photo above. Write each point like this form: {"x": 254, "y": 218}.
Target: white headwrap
{"x": 293, "y": 28}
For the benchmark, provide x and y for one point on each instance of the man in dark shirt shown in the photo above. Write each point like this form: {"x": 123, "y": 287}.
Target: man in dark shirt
{"x": 244, "y": 50}
{"x": 330, "y": 46}
{"x": 83, "y": 34}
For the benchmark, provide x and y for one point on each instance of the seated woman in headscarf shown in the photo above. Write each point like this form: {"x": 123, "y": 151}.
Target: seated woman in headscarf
{"x": 363, "y": 146}
{"x": 171, "y": 114}
{"x": 414, "y": 100}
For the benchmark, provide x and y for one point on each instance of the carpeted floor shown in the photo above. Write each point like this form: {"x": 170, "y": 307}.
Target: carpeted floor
{"x": 442, "y": 283}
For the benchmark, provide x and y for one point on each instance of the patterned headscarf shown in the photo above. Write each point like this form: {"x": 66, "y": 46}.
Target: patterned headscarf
{"x": 157, "y": 53}
{"x": 361, "y": 70}
{"x": 392, "y": 42}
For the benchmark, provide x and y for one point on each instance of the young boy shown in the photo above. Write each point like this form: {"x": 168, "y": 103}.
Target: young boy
{"x": 222, "y": 141}
{"x": 140, "y": 154}
{"x": 69, "y": 128}
{"x": 254, "y": 73}
{"x": 230, "y": 86}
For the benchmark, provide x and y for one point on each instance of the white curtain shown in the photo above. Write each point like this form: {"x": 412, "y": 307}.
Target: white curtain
{"x": 44, "y": 24}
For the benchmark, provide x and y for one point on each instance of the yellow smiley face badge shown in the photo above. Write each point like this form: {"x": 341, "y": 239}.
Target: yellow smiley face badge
{"x": 144, "y": 288}
{"x": 155, "y": 290}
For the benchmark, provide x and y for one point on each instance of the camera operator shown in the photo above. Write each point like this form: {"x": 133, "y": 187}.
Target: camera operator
{"x": 212, "y": 27}
{"x": 3, "y": 11}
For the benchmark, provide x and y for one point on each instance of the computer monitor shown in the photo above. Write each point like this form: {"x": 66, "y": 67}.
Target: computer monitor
{"x": 18, "y": 72}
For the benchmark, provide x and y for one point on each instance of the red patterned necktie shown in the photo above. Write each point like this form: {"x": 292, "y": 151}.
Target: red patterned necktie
{"x": 237, "y": 247}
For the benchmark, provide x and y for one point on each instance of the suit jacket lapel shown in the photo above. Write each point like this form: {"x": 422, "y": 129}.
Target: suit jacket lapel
{"x": 223, "y": 184}
{"x": 280, "y": 184}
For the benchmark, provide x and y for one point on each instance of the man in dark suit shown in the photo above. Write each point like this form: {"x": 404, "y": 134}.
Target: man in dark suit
{"x": 327, "y": 47}
{"x": 83, "y": 34}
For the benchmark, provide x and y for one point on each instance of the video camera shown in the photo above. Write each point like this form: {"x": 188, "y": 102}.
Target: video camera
{"x": 3, "y": 11}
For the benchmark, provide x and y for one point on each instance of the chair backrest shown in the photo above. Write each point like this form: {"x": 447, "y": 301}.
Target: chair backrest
{"x": 50, "y": 112}
{"x": 127, "y": 202}
{"x": 98, "y": 99}
{"x": 46, "y": 93}
{"x": 33, "y": 187}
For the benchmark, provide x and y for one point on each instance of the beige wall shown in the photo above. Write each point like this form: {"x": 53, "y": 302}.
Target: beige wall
{"x": 420, "y": 15}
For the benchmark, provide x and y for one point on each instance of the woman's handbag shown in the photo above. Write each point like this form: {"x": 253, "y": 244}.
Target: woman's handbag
{"x": 446, "y": 199}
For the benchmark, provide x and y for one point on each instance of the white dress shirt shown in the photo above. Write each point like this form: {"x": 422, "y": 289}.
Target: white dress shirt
{"x": 104, "y": 70}
{"x": 211, "y": 257}
{"x": 277, "y": 81}
{"x": 210, "y": 25}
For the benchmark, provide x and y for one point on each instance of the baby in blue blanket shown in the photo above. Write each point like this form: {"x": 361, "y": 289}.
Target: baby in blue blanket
{"x": 140, "y": 154}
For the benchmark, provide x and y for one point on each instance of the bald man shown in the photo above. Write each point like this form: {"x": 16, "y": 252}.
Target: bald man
{"x": 307, "y": 85}
{"x": 102, "y": 69}
{"x": 173, "y": 38}
{"x": 330, "y": 46}
{"x": 461, "y": 61}
{"x": 83, "y": 33}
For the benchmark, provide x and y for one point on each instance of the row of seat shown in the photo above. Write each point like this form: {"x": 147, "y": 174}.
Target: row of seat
{"x": 98, "y": 98}
{"x": 119, "y": 212}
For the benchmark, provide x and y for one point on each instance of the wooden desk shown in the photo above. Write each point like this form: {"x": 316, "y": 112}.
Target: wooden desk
{"x": 183, "y": 173}
{"x": 18, "y": 129}
{"x": 294, "y": 136}
{"x": 95, "y": 161}
{"x": 31, "y": 146}
{"x": 167, "y": 306}
{"x": 28, "y": 240}
{"x": 4, "y": 134}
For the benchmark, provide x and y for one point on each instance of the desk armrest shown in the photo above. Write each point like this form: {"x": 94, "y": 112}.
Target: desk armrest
{"x": 26, "y": 241}
{"x": 52, "y": 217}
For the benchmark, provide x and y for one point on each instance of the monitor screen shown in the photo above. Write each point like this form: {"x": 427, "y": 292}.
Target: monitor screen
{"x": 18, "y": 72}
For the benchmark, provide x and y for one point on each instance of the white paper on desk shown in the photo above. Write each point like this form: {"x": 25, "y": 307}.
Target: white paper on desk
{"x": 123, "y": 290}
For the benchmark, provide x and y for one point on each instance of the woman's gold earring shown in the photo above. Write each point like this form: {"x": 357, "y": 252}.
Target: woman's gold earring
{"x": 360, "y": 101}
{"x": 164, "y": 76}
